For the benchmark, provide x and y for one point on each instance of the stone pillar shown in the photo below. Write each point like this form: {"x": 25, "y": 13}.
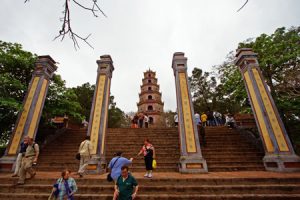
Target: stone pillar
{"x": 279, "y": 152}
{"x": 191, "y": 160}
{"x": 29, "y": 117}
{"x": 98, "y": 118}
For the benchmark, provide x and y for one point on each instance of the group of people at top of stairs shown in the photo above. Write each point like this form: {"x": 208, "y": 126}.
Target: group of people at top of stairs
{"x": 211, "y": 118}
{"x": 140, "y": 120}
{"x": 26, "y": 159}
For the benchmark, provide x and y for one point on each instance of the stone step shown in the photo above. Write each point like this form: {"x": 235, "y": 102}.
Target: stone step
{"x": 40, "y": 196}
{"x": 170, "y": 179}
{"x": 74, "y": 168}
{"x": 163, "y": 189}
{"x": 234, "y": 168}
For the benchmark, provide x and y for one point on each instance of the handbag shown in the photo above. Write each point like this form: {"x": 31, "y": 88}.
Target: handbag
{"x": 109, "y": 178}
{"x": 77, "y": 156}
{"x": 154, "y": 164}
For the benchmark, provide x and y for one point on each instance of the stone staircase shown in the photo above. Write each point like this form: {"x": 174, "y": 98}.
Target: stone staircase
{"x": 130, "y": 141}
{"x": 213, "y": 186}
{"x": 231, "y": 161}
{"x": 227, "y": 150}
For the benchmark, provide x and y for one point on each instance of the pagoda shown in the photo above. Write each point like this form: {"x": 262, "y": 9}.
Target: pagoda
{"x": 150, "y": 100}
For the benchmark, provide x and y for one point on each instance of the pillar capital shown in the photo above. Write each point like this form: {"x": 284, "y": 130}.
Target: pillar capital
{"x": 45, "y": 65}
{"x": 179, "y": 62}
{"x": 105, "y": 65}
{"x": 246, "y": 57}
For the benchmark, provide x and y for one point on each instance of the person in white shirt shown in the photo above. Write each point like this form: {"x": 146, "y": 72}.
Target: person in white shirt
{"x": 197, "y": 118}
{"x": 176, "y": 119}
{"x": 146, "y": 120}
{"x": 84, "y": 150}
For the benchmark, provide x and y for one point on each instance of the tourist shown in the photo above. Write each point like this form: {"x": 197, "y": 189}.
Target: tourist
{"x": 132, "y": 122}
{"x": 210, "y": 118}
{"x": 126, "y": 187}
{"x": 21, "y": 153}
{"x": 116, "y": 164}
{"x": 84, "y": 150}
{"x": 197, "y": 118}
{"x": 149, "y": 154}
{"x": 201, "y": 134}
{"x": 135, "y": 121}
{"x": 30, "y": 158}
{"x": 141, "y": 120}
{"x": 146, "y": 120}
{"x": 85, "y": 124}
{"x": 176, "y": 119}
{"x": 230, "y": 121}
{"x": 65, "y": 187}
{"x": 218, "y": 118}
{"x": 204, "y": 119}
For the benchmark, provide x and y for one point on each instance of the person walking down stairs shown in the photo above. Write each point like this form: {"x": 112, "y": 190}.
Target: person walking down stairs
{"x": 84, "y": 150}
{"x": 30, "y": 158}
{"x": 64, "y": 188}
{"x": 21, "y": 154}
{"x": 116, "y": 164}
{"x": 149, "y": 154}
{"x": 126, "y": 186}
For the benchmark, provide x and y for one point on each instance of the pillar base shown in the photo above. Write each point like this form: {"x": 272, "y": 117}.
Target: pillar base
{"x": 7, "y": 163}
{"x": 192, "y": 165}
{"x": 282, "y": 163}
{"x": 97, "y": 165}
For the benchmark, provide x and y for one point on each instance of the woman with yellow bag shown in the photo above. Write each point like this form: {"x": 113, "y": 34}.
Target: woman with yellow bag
{"x": 149, "y": 156}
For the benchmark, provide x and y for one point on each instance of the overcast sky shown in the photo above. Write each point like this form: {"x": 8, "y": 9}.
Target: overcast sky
{"x": 142, "y": 34}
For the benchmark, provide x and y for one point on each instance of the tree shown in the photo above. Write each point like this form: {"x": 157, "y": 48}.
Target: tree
{"x": 85, "y": 94}
{"x": 116, "y": 117}
{"x": 202, "y": 88}
{"x": 169, "y": 118}
{"x": 16, "y": 66}
{"x": 231, "y": 89}
{"x": 279, "y": 60}
{"x": 61, "y": 100}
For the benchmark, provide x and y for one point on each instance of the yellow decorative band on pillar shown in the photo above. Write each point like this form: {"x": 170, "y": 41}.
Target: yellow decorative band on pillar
{"x": 37, "y": 110}
{"x": 187, "y": 114}
{"x": 21, "y": 124}
{"x": 271, "y": 113}
{"x": 97, "y": 113}
{"x": 259, "y": 114}
{"x": 105, "y": 117}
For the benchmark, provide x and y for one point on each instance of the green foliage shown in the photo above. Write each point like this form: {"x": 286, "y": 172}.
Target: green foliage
{"x": 279, "y": 60}
{"x": 16, "y": 66}
{"x": 85, "y": 94}
{"x": 169, "y": 118}
{"x": 61, "y": 101}
{"x": 202, "y": 88}
{"x": 116, "y": 117}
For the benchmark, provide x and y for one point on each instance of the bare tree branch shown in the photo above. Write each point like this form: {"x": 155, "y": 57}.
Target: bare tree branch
{"x": 93, "y": 10}
{"x": 242, "y": 6}
{"x": 66, "y": 28}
